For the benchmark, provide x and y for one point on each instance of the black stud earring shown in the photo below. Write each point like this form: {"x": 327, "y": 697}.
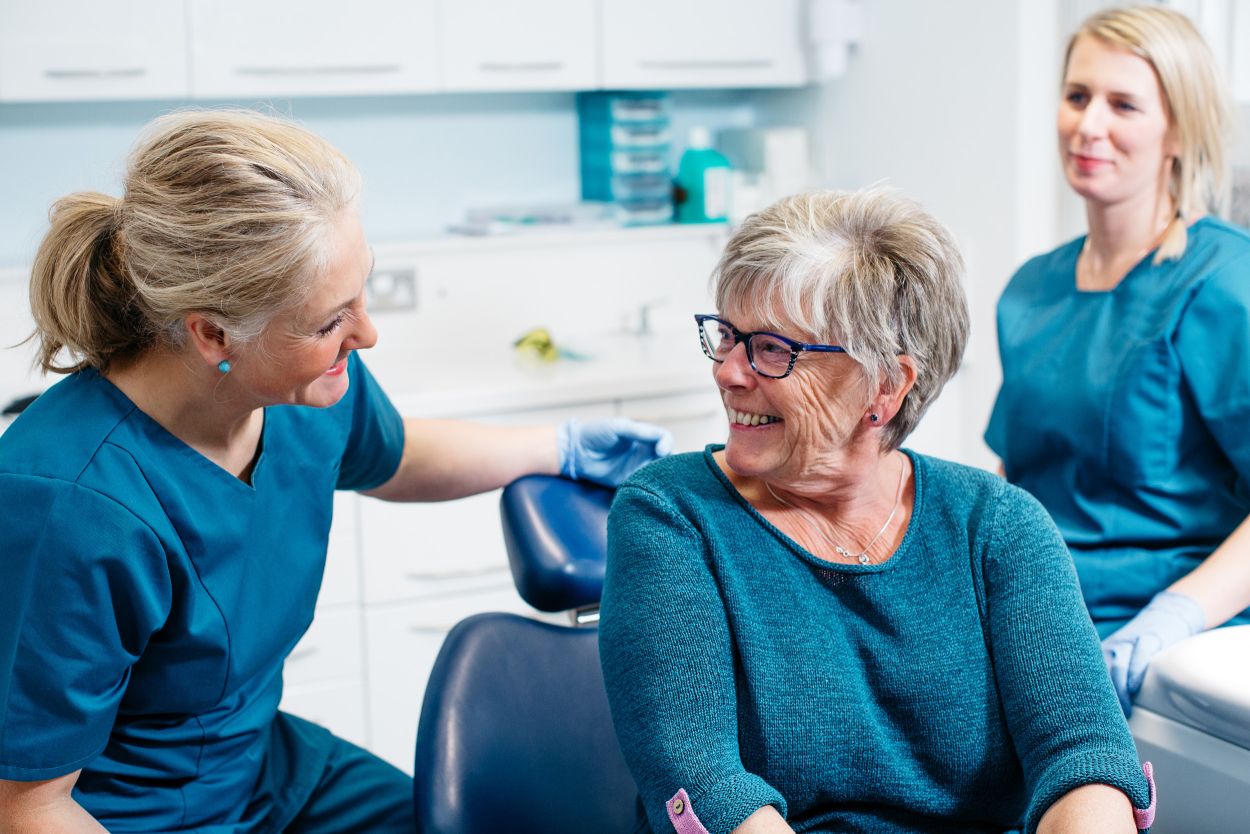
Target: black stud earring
{"x": 874, "y": 417}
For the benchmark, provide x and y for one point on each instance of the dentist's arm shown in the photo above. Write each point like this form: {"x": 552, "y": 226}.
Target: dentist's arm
{"x": 445, "y": 459}
{"x": 44, "y": 808}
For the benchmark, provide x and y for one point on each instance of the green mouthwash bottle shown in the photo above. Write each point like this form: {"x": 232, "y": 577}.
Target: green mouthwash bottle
{"x": 701, "y": 194}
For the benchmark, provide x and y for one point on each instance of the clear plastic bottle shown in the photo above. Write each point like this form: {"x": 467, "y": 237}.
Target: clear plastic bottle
{"x": 702, "y": 186}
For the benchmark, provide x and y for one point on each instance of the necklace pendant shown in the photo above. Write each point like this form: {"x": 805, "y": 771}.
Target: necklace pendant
{"x": 841, "y": 551}
{"x": 863, "y": 558}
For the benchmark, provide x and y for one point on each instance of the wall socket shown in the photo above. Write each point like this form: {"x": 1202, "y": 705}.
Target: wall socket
{"x": 391, "y": 289}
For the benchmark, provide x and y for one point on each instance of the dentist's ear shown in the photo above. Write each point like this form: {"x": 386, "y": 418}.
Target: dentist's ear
{"x": 210, "y": 340}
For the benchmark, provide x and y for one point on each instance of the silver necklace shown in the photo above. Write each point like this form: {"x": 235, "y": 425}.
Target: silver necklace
{"x": 862, "y": 558}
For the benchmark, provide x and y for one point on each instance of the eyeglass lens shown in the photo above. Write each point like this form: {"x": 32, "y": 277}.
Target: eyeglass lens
{"x": 768, "y": 355}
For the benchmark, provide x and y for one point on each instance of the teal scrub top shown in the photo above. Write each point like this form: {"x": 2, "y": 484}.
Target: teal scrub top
{"x": 1127, "y": 412}
{"x": 148, "y": 599}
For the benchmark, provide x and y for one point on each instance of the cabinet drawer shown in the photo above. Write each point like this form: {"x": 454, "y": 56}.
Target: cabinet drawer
{"x": 330, "y": 650}
{"x": 339, "y": 707}
{"x": 340, "y": 584}
{"x": 404, "y": 641}
{"x": 74, "y": 51}
{"x": 411, "y": 550}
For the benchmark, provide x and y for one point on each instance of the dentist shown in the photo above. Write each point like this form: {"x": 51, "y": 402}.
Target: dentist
{"x": 1126, "y": 352}
{"x": 166, "y": 507}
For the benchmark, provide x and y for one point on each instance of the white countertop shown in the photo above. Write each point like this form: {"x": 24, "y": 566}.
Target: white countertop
{"x": 501, "y": 379}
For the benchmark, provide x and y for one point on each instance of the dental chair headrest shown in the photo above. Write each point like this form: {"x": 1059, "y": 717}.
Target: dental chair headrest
{"x": 556, "y": 532}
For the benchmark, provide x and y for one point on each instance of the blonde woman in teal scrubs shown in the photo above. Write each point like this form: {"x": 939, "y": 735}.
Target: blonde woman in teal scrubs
{"x": 1125, "y": 404}
{"x": 166, "y": 506}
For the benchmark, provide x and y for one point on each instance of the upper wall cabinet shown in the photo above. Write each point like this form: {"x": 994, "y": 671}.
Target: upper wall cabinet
{"x": 70, "y": 50}
{"x": 535, "y": 45}
{"x": 312, "y": 47}
{"x": 661, "y": 44}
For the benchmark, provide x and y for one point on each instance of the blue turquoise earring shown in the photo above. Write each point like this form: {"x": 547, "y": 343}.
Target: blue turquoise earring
{"x": 224, "y": 366}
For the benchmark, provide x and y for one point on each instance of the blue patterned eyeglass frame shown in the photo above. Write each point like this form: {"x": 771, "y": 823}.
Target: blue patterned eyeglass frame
{"x": 745, "y": 338}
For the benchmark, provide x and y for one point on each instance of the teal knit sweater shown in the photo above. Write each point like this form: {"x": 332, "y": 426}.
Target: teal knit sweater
{"x": 958, "y": 686}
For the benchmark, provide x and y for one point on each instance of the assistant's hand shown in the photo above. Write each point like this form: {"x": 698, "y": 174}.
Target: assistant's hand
{"x": 607, "y": 451}
{"x": 1168, "y": 618}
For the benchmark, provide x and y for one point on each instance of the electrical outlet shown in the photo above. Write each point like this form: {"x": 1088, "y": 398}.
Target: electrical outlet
{"x": 391, "y": 289}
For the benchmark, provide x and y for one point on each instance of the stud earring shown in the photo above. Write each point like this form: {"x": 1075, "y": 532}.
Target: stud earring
{"x": 874, "y": 417}
{"x": 224, "y": 366}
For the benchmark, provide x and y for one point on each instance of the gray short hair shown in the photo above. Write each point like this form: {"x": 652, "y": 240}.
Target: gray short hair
{"x": 869, "y": 270}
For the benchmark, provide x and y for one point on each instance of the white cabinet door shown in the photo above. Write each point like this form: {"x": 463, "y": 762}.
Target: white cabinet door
{"x": 403, "y": 642}
{"x": 411, "y": 551}
{"x": 72, "y": 50}
{"x": 661, "y": 44}
{"x": 312, "y": 47}
{"x": 536, "y": 45}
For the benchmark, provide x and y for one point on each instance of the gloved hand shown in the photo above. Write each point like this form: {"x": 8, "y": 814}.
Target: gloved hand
{"x": 607, "y": 451}
{"x": 1168, "y": 618}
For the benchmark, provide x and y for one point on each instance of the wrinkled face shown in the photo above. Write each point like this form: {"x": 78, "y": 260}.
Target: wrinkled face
{"x": 794, "y": 429}
{"x": 301, "y": 358}
{"x": 1115, "y": 141}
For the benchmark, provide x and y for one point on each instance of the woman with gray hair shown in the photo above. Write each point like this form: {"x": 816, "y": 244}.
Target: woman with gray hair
{"x": 167, "y": 505}
{"x": 810, "y": 629}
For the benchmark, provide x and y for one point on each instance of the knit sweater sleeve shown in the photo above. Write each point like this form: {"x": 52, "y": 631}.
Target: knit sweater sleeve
{"x": 668, "y": 663}
{"x": 1061, "y": 710}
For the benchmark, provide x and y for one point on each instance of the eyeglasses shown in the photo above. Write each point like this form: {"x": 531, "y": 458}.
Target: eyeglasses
{"x": 770, "y": 355}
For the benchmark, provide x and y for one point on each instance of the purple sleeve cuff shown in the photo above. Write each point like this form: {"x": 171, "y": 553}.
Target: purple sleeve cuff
{"x": 682, "y": 816}
{"x": 1145, "y": 817}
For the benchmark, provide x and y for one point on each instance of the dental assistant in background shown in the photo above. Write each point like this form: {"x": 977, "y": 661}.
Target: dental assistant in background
{"x": 166, "y": 507}
{"x": 1125, "y": 404}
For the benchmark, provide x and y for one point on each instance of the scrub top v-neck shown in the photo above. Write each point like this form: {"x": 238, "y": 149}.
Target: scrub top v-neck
{"x": 148, "y": 599}
{"x": 1127, "y": 412}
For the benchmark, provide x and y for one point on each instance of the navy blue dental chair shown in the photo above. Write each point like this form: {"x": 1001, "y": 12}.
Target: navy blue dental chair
{"x": 515, "y": 736}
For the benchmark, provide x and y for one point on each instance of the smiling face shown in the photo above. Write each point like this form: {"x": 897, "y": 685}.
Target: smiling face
{"x": 1115, "y": 140}
{"x": 301, "y": 358}
{"x": 794, "y": 429}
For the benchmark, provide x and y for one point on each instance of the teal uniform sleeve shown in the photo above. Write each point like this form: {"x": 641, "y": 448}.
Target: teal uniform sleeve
{"x": 83, "y": 586}
{"x": 375, "y": 445}
{"x": 1213, "y": 344}
{"x": 1061, "y": 710}
{"x": 668, "y": 664}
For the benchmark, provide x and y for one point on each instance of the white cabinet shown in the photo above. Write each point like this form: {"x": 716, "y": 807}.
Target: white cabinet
{"x": 69, "y": 50}
{"x": 536, "y": 45}
{"x": 312, "y": 47}
{"x": 659, "y": 44}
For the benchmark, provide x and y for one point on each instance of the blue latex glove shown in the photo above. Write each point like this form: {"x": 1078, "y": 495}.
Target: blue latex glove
{"x": 1168, "y": 618}
{"x": 607, "y": 451}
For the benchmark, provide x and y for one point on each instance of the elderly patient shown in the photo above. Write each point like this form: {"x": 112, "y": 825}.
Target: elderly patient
{"x": 809, "y": 629}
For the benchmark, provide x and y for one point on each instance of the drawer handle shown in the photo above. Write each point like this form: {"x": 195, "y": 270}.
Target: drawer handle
{"x": 301, "y": 654}
{"x": 361, "y": 69}
{"x": 751, "y": 64}
{"x": 423, "y": 576}
{"x": 531, "y": 66}
{"x": 423, "y": 629}
{"x": 79, "y": 74}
